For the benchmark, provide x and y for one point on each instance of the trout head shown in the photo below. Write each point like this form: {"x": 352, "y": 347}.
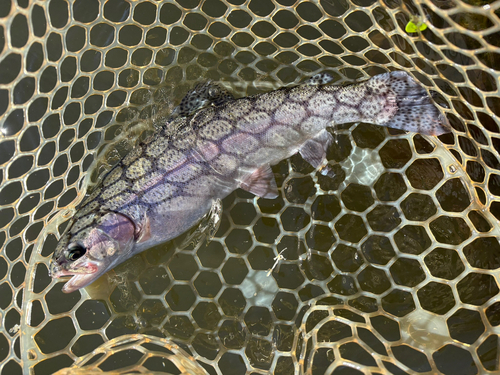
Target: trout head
{"x": 85, "y": 252}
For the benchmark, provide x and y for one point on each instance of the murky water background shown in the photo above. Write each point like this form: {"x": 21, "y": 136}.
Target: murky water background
{"x": 389, "y": 266}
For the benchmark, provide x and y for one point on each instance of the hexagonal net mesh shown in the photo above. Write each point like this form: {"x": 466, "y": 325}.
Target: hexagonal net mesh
{"x": 389, "y": 267}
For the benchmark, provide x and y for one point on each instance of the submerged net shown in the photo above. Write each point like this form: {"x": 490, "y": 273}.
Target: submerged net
{"x": 389, "y": 267}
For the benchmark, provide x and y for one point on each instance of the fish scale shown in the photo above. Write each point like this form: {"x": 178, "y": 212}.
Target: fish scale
{"x": 205, "y": 155}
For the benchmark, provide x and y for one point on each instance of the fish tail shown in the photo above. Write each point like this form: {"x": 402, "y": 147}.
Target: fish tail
{"x": 416, "y": 111}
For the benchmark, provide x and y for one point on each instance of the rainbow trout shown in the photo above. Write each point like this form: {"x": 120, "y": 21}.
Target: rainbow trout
{"x": 166, "y": 184}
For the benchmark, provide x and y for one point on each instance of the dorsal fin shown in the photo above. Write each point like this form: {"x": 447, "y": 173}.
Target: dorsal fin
{"x": 319, "y": 79}
{"x": 201, "y": 96}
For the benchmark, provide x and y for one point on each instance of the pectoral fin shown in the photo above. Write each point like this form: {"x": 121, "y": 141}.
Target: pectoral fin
{"x": 207, "y": 227}
{"x": 261, "y": 183}
{"x": 314, "y": 152}
{"x": 144, "y": 231}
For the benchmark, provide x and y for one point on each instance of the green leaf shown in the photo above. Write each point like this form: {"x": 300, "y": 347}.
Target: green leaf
{"x": 412, "y": 28}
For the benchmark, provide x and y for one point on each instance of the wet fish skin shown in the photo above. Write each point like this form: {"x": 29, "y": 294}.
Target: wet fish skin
{"x": 167, "y": 183}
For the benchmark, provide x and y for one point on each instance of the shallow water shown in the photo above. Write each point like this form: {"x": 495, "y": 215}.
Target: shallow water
{"x": 403, "y": 240}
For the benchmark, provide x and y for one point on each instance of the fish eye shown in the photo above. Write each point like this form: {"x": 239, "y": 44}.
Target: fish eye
{"x": 75, "y": 251}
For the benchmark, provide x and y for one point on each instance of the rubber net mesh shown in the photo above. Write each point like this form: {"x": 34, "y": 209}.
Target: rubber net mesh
{"x": 389, "y": 267}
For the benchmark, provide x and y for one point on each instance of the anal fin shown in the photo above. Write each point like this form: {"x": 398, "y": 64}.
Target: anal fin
{"x": 314, "y": 152}
{"x": 261, "y": 183}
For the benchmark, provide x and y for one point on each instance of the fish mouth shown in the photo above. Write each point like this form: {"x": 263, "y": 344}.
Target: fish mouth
{"x": 77, "y": 280}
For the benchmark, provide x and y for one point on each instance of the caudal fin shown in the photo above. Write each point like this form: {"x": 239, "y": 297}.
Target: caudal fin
{"x": 416, "y": 111}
